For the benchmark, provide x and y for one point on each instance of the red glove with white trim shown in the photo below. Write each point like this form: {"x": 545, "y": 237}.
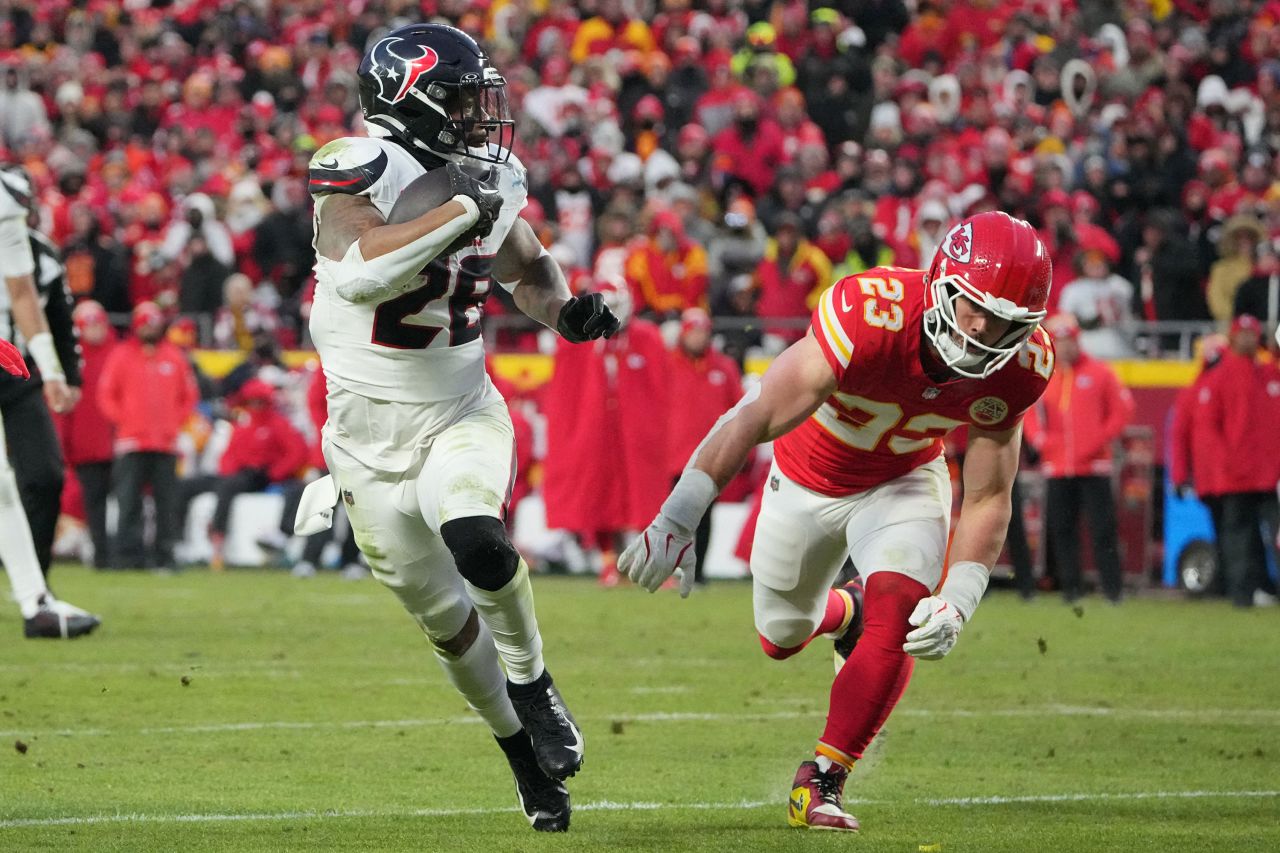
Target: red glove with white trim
{"x": 11, "y": 360}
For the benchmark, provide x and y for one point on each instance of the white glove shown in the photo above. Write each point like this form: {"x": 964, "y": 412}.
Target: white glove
{"x": 666, "y": 546}
{"x": 938, "y": 627}
{"x": 656, "y": 554}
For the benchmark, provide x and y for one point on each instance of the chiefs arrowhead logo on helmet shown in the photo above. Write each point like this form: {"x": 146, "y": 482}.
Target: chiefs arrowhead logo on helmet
{"x": 958, "y": 244}
{"x": 398, "y": 72}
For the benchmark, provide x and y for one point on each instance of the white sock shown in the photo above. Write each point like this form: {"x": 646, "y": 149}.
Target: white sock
{"x": 478, "y": 677}
{"x": 824, "y": 763}
{"x": 509, "y": 614}
{"x": 17, "y": 551}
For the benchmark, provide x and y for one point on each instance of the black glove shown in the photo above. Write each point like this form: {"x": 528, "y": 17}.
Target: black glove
{"x": 1186, "y": 491}
{"x": 483, "y": 191}
{"x": 585, "y": 318}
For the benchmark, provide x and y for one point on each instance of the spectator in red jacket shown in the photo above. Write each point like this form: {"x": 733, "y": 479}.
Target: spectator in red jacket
{"x": 264, "y": 450}
{"x": 707, "y": 384}
{"x": 667, "y": 271}
{"x": 86, "y": 432}
{"x": 1243, "y": 410}
{"x": 792, "y": 276}
{"x": 1084, "y": 410}
{"x": 1196, "y": 457}
{"x": 606, "y": 405}
{"x": 749, "y": 150}
{"x": 147, "y": 390}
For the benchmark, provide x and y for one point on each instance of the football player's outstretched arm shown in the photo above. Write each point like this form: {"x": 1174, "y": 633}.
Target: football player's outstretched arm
{"x": 990, "y": 465}
{"x": 538, "y": 286}
{"x": 793, "y": 387}
{"x": 535, "y": 280}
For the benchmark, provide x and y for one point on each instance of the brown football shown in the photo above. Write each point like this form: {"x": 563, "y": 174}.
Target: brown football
{"x": 425, "y": 193}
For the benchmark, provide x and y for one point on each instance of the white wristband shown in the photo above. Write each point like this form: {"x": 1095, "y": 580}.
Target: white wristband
{"x": 45, "y": 356}
{"x": 473, "y": 210}
{"x": 964, "y": 586}
{"x": 688, "y": 502}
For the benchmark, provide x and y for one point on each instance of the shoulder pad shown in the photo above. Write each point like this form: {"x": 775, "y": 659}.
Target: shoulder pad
{"x": 350, "y": 165}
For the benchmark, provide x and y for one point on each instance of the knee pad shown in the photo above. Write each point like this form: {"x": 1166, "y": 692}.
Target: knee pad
{"x": 481, "y": 550}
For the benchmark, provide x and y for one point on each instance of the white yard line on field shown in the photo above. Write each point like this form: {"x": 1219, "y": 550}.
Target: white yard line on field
{"x": 611, "y": 806}
{"x": 1244, "y": 715}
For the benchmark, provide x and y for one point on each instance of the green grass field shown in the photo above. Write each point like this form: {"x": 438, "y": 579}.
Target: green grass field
{"x": 252, "y": 711}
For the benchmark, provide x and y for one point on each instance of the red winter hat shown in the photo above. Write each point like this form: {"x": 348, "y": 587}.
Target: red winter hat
{"x": 145, "y": 314}
{"x": 256, "y": 391}
{"x": 649, "y": 107}
{"x": 1055, "y": 198}
{"x": 694, "y": 318}
{"x": 692, "y": 134}
{"x": 1247, "y": 322}
{"x": 88, "y": 313}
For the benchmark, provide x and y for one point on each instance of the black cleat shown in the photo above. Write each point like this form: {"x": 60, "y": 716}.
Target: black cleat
{"x": 544, "y": 801}
{"x": 58, "y": 620}
{"x": 557, "y": 742}
{"x": 848, "y": 638}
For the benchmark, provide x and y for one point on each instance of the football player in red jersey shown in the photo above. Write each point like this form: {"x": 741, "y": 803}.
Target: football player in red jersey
{"x": 895, "y": 360}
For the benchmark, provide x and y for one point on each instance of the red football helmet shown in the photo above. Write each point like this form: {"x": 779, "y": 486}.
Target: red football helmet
{"x": 999, "y": 264}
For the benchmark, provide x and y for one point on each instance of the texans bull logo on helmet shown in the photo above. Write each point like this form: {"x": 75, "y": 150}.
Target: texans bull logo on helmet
{"x": 398, "y": 72}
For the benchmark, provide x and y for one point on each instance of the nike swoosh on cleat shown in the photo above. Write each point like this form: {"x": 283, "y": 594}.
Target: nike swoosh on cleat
{"x": 577, "y": 745}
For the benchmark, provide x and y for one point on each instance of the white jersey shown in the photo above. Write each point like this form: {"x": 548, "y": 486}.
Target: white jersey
{"x": 423, "y": 345}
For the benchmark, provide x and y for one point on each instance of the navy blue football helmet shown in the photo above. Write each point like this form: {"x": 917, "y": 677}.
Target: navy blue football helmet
{"x": 431, "y": 87}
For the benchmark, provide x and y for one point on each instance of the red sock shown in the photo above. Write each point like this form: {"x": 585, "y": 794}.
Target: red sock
{"x": 876, "y": 674}
{"x": 837, "y": 611}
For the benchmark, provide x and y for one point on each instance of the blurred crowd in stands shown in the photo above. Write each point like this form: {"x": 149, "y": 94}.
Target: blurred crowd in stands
{"x": 736, "y": 156}
{"x": 728, "y": 154}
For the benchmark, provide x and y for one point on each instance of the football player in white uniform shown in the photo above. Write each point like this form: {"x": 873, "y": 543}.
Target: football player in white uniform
{"x": 418, "y": 442}
{"x": 21, "y": 313}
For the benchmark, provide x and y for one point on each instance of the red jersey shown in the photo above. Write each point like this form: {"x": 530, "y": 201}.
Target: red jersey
{"x": 887, "y": 417}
